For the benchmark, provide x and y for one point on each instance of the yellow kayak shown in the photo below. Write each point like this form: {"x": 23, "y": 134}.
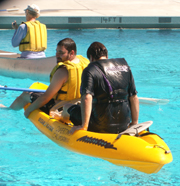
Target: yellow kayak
{"x": 137, "y": 149}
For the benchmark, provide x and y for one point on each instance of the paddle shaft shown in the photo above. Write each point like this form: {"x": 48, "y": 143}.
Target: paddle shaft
{"x": 21, "y": 89}
{"x": 10, "y": 9}
{"x": 147, "y": 101}
{"x": 7, "y": 54}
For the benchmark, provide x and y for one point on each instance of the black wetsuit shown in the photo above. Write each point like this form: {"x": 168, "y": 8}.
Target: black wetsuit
{"x": 110, "y": 111}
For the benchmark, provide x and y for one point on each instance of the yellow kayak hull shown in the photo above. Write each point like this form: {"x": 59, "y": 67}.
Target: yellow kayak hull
{"x": 147, "y": 152}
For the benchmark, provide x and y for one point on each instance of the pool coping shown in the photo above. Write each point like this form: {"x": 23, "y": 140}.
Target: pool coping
{"x": 88, "y": 22}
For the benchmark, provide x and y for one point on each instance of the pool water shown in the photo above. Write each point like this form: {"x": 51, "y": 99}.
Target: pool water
{"x": 27, "y": 157}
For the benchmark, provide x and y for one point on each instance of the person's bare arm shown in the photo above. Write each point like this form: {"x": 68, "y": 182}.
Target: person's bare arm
{"x": 134, "y": 101}
{"x": 59, "y": 78}
{"x": 86, "y": 108}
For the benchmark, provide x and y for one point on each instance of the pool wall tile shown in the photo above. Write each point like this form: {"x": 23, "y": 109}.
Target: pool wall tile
{"x": 97, "y": 22}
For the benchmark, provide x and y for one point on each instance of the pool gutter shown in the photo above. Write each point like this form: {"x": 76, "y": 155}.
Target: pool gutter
{"x": 88, "y": 22}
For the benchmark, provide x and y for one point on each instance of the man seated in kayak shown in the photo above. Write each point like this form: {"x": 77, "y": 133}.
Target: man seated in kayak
{"x": 65, "y": 80}
{"x": 109, "y": 102}
{"x": 30, "y": 36}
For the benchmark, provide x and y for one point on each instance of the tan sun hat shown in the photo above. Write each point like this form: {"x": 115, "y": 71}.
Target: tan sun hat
{"x": 33, "y": 8}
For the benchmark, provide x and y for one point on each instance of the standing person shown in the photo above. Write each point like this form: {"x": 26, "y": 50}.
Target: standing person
{"x": 65, "y": 80}
{"x": 108, "y": 95}
{"x": 30, "y": 36}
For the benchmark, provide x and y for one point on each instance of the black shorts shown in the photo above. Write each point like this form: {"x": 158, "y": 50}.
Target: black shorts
{"x": 75, "y": 114}
{"x": 75, "y": 117}
{"x": 46, "y": 108}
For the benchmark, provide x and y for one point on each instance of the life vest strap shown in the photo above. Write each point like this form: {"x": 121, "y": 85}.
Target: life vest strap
{"x": 106, "y": 100}
{"x": 22, "y": 43}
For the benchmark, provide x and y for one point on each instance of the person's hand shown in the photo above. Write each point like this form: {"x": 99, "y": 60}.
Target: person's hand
{"x": 75, "y": 128}
{"x": 14, "y": 25}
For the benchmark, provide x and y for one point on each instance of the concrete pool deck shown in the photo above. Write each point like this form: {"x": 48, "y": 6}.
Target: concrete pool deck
{"x": 77, "y": 14}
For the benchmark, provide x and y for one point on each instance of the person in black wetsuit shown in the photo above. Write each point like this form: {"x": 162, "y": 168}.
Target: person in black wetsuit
{"x": 109, "y": 102}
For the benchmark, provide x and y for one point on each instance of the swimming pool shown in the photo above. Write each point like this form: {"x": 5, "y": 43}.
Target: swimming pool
{"x": 27, "y": 157}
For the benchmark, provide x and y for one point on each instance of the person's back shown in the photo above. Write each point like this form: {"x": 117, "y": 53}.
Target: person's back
{"x": 110, "y": 110}
{"x": 30, "y": 36}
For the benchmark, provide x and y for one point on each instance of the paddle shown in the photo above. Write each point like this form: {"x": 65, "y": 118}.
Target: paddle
{"x": 21, "y": 89}
{"x": 153, "y": 101}
{"x": 7, "y": 54}
{"x": 146, "y": 101}
{"x": 9, "y": 9}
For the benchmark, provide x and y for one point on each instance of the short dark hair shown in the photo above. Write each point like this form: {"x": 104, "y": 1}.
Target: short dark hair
{"x": 97, "y": 50}
{"x": 68, "y": 43}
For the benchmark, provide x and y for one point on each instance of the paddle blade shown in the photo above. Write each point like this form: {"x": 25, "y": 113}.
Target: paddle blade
{"x": 153, "y": 101}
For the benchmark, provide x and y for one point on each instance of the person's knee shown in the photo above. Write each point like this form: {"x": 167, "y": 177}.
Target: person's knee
{"x": 25, "y": 96}
{"x": 24, "y": 99}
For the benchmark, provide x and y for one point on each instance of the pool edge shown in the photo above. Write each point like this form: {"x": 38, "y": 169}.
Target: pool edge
{"x": 85, "y": 22}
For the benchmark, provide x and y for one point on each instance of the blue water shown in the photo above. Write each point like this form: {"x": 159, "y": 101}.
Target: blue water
{"x": 27, "y": 157}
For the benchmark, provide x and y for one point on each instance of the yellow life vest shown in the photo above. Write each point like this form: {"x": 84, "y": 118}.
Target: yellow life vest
{"x": 71, "y": 89}
{"x": 36, "y": 37}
